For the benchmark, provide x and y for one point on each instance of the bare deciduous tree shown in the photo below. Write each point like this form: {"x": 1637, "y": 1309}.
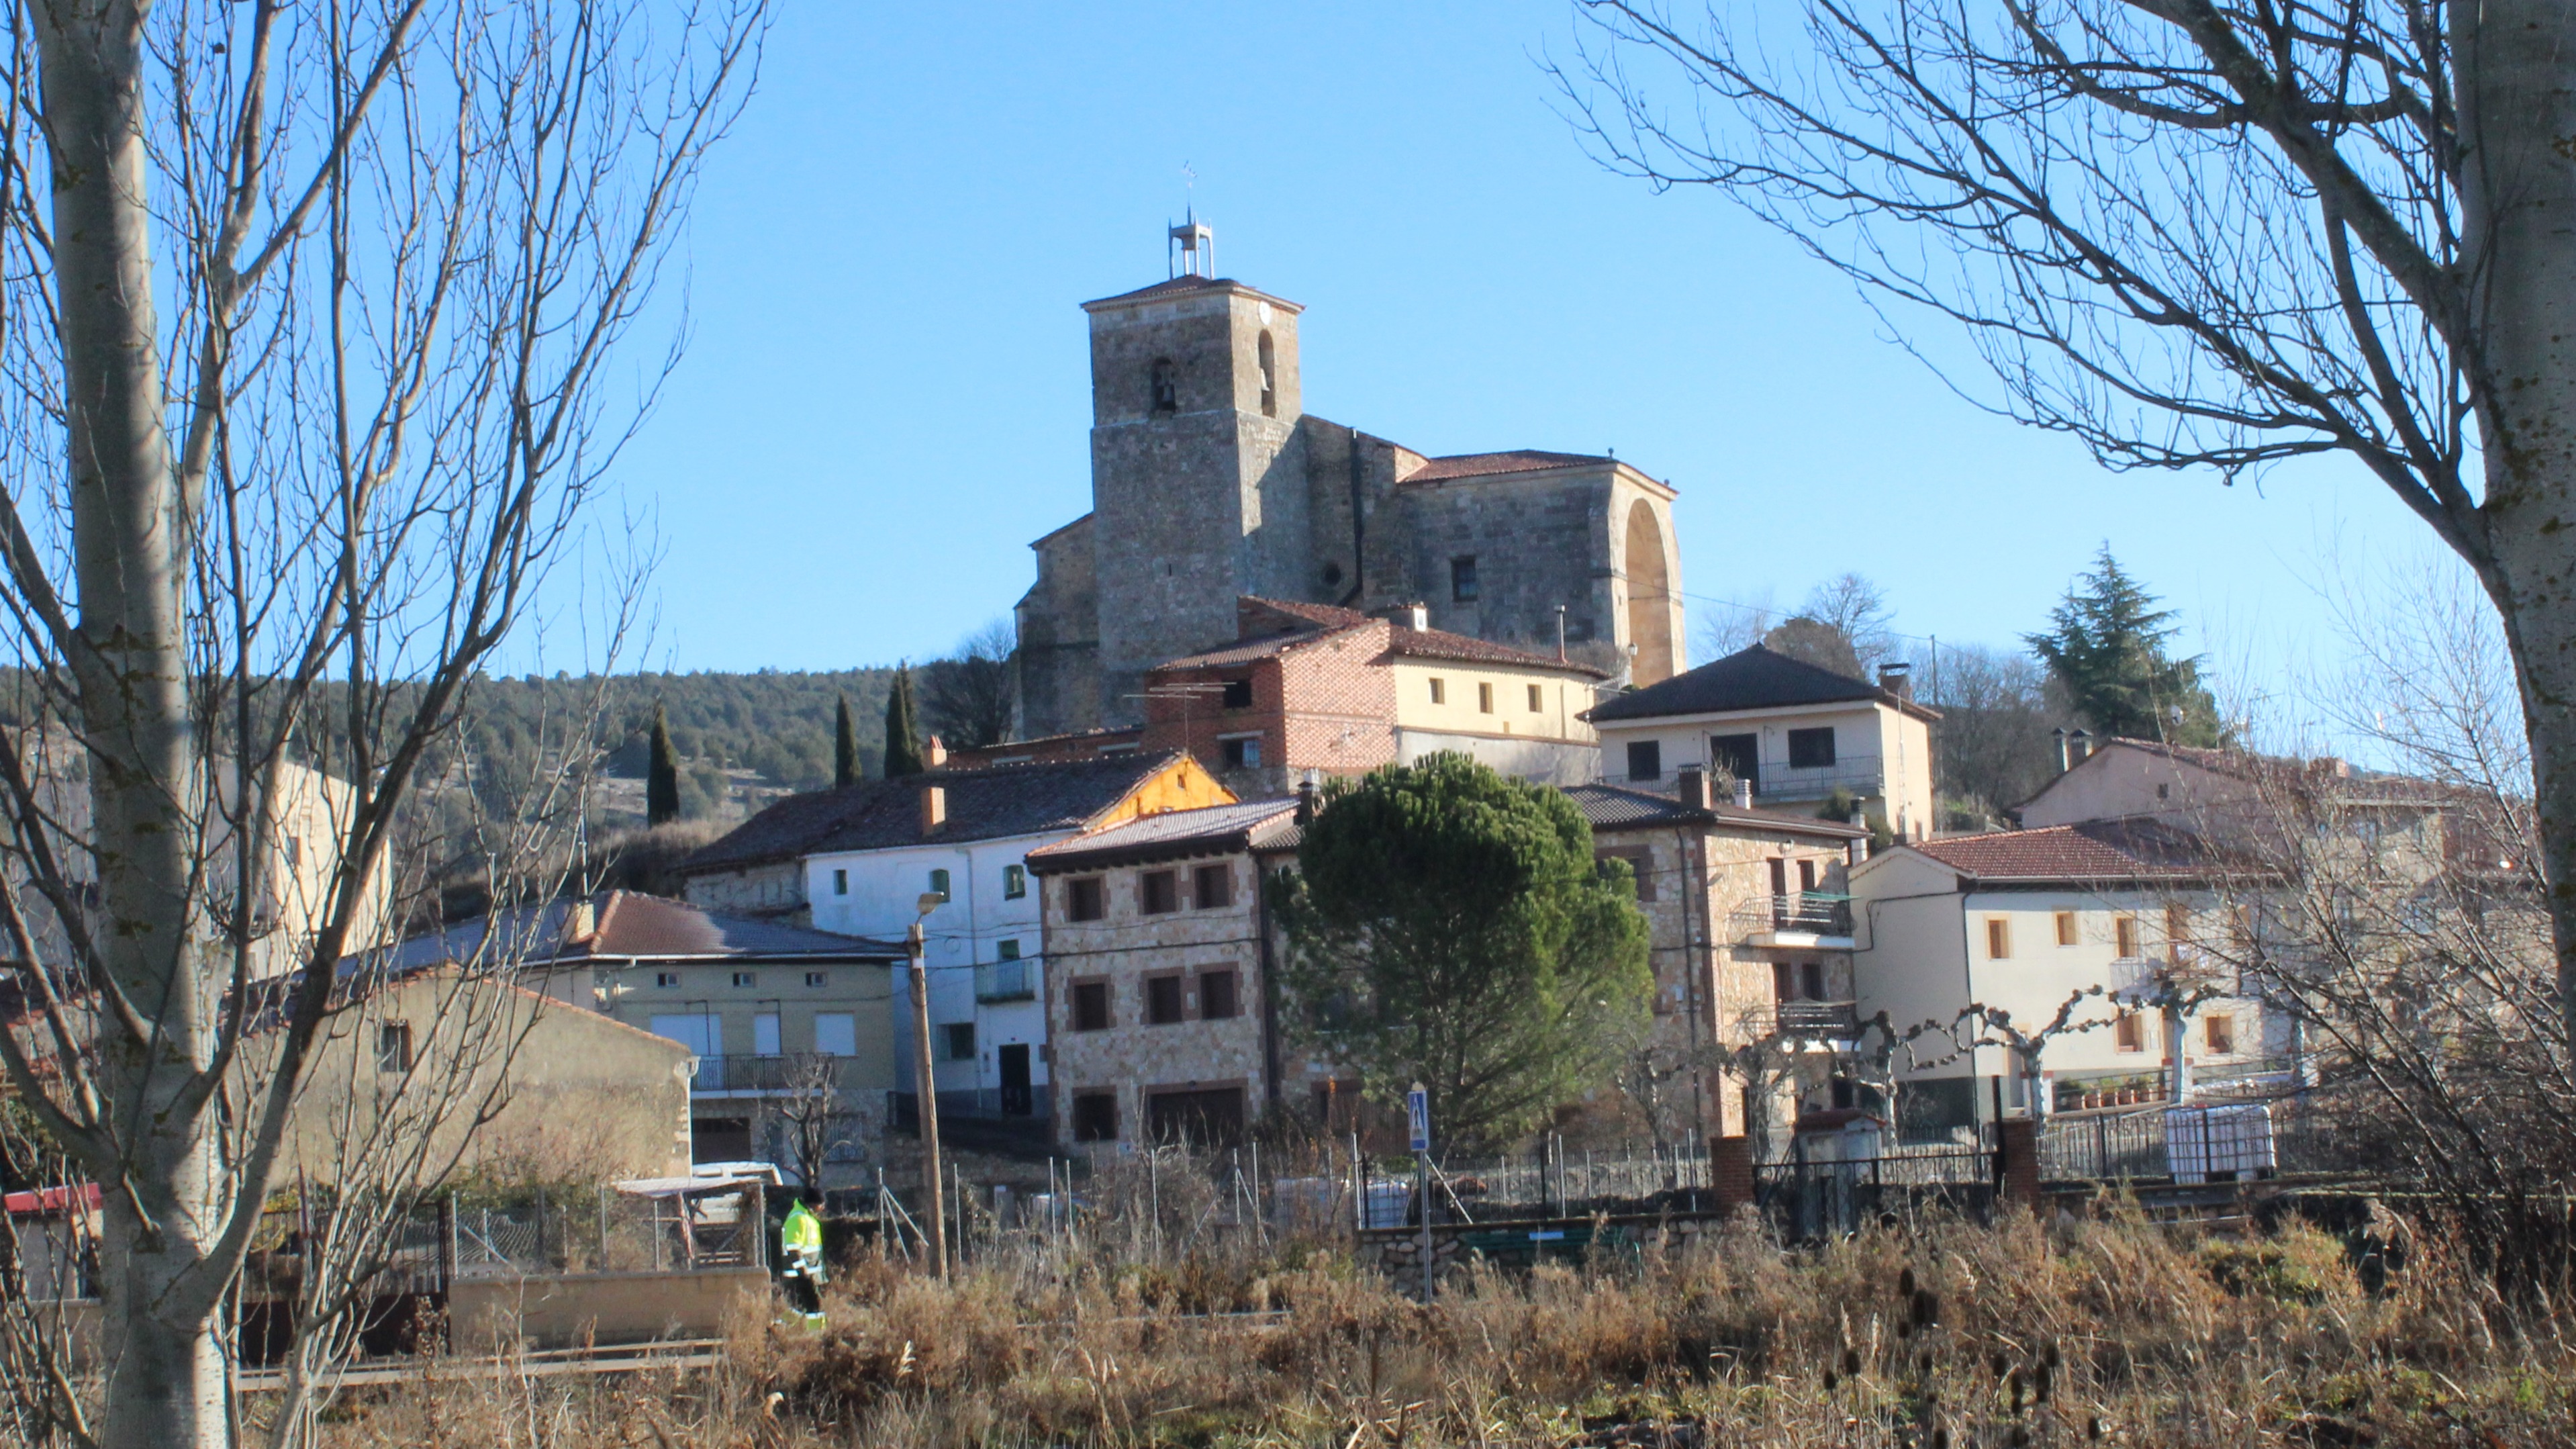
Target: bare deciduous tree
{"x": 2194, "y": 234}
{"x": 818, "y": 1123}
{"x": 309, "y": 361}
{"x": 971, "y": 698}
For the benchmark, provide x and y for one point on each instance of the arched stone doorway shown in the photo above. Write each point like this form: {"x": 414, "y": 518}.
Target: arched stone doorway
{"x": 1650, "y": 597}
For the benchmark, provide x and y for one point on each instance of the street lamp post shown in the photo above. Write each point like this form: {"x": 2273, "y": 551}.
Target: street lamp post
{"x": 925, "y": 1087}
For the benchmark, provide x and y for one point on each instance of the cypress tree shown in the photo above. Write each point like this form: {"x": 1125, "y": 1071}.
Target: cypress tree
{"x": 903, "y": 730}
{"x": 662, "y": 777}
{"x": 845, "y": 746}
{"x": 2106, "y": 648}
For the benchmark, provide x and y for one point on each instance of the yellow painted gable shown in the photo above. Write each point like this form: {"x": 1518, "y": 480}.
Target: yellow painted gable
{"x": 1183, "y": 785}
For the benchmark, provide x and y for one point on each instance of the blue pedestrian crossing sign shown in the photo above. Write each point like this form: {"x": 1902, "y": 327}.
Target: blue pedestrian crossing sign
{"x": 1417, "y": 1116}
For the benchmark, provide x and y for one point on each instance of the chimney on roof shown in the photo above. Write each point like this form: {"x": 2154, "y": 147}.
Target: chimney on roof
{"x": 581, "y": 923}
{"x": 1692, "y": 787}
{"x": 934, "y": 809}
{"x": 2080, "y": 747}
{"x": 1743, "y": 794}
{"x": 1306, "y": 798}
{"x": 934, "y": 755}
{"x": 1416, "y": 616}
{"x": 2059, "y": 734}
{"x": 1897, "y": 678}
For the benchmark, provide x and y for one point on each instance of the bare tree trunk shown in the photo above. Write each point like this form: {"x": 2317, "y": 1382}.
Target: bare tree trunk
{"x": 130, "y": 668}
{"x": 2515, "y": 66}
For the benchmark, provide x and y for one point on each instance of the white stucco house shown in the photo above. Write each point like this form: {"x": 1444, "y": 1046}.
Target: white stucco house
{"x": 1791, "y": 731}
{"x": 867, "y": 854}
{"x": 2089, "y": 920}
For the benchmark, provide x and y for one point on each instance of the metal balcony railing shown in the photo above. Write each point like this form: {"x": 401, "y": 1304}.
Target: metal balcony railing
{"x": 1859, "y": 774}
{"x": 1838, "y": 1020}
{"x": 1006, "y": 981}
{"x": 1813, "y": 913}
{"x": 743, "y": 1074}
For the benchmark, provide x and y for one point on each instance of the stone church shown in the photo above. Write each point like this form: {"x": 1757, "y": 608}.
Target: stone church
{"x": 1210, "y": 482}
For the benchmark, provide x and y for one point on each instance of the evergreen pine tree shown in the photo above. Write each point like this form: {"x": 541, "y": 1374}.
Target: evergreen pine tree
{"x": 2107, "y": 651}
{"x": 661, "y": 777}
{"x": 903, "y": 729}
{"x": 845, "y": 745}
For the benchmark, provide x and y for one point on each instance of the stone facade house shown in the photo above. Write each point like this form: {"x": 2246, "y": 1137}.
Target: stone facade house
{"x": 1161, "y": 1006}
{"x": 2087, "y": 920}
{"x": 1309, "y": 689}
{"x": 865, "y": 855}
{"x": 744, "y": 999}
{"x": 1751, "y": 945}
{"x": 1210, "y": 481}
{"x": 1794, "y": 732}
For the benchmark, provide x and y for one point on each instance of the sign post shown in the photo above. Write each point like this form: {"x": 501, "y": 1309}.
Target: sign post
{"x": 1417, "y": 1120}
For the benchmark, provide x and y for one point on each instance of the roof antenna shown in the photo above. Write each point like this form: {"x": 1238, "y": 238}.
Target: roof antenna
{"x": 1191, "y": 252}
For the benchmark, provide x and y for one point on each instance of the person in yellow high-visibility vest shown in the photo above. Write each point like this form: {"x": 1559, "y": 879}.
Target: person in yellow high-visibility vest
{"x": 800, "y": 1262}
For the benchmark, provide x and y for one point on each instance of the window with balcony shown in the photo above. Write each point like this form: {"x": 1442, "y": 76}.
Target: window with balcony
{"x": 1807, "y": 874}
{"x": 1212, "y": 887}
{"x": 1090, "y": 1005}
{"x": 1008, "y": 948}
{"x": 1095, "y": 1116}
{"x": 1811, "y": 749}
{"x": 1216, "y": 996}
{"x": 2177, "y": 929}
{"x": 764, "y": 1035}
{"x": 1084, "y": 899}
{"x": 1238, "y": 694}
{"x": 1163, "y": 1001}
{"x": 2125, "y": 933}
{"x": 1015, "y": 882}
{"x": 1645, "y": 759}
{"x": 1811, "y": 980}
{"x": 836, "y": 1033}
{"x": 1158, "y": 892}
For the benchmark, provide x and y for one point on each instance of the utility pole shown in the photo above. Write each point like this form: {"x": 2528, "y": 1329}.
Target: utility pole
{"x": 925, "y": 1087}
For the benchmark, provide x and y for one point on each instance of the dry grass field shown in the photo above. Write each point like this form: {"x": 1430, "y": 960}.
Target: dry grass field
{"x": 1941, "y": 1335}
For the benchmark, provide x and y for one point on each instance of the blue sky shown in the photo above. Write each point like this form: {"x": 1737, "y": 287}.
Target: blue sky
{"x": 885, "y": 393}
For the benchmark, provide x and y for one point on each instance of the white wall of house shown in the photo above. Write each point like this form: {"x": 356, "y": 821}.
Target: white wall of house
{"x": 874, "y": 893}
{"x": 1882, "y": 755}
{"x": 1927, "y": 952}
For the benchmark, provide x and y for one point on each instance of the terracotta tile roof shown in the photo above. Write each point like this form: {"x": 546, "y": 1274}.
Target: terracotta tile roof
{"x": 2096, "y": 851}
{"x": 1172, "y": 835}
{"x": 1486, "y": 465}
{"x": 984, "y": 804}
{"x": 1616, "y": 807}
{"x": 1185, "y": 285}
{"x": 1441, "y": 644}
{"x": 626, "y": 926}
{"x": 1327, "y": 621}
{"x": 1753, "y": 678}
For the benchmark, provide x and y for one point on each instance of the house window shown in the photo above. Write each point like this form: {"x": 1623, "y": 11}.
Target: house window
{"x": 1158, "y": 892}
{"x": 2126, "y": 929}
{"x": 1811, "y": 749}
{"x": 1212, "y": 886}
{"x": 1166, "y": 385}
{"x": 939, "y": 885}
{"x": 2218, "y": 1034}
{"x": 1806, "y": 875}
{"x": 1484, "y": 699}
{"x": 1811, "y": 980}
{"x": 2177, "y": 929}
{"x": 1439, "y": 691}
{"x": 961, "y": 1040}
{"x": 2066, "y": 928}
{"x": 836, "y": 1033}
{"x": 393, "y": 1046}
{"x": 764, "y": 1035}
{"x": 1268, "y": 357}
{"x": 2129, "y": 1033}
{"x": 1095, "y": 1116}
{"x": 1238, "y": 694}
{"x": 1084, "y": 899}
{"x": 1462, "y": 580}
{"x": 666, "y": 978}
{"x": 1645, "y": 759}
{"x": 1998, "y": 939}
{"x": 1640, "y": 863}
{"x": 1162, "y": 1000}
{"x": 746, "y": 978}
{"x": 1216, "y": 996}
{"x": 840, "y": 882}
{"x": 1784, "y": 981}
{"x": 1008, "y": 949}
{"x": 1537, "y": 699}
{"x": 1015, "y": 882}
{"x": 817, "y": 978}
{"x": 1091, "y": 1006}
{"x": 1243, "y": 752}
